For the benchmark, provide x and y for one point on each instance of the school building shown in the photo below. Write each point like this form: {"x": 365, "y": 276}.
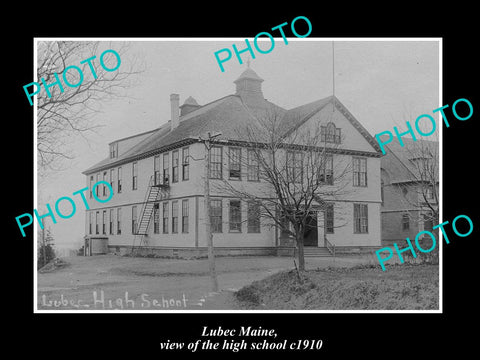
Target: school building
{"x": 158, "y": 182}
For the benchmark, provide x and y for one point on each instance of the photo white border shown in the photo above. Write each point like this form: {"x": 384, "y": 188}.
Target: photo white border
{"x": 127, "y": 311}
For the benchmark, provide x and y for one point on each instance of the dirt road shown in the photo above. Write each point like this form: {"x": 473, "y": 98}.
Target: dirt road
{"x": 110, "y": 282}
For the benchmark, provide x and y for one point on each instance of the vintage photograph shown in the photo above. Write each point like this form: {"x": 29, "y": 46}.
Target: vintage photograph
{"x": 166, "y": 184}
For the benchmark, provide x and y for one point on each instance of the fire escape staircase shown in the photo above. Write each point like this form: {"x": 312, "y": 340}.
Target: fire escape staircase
{"x": 151, "y": 196}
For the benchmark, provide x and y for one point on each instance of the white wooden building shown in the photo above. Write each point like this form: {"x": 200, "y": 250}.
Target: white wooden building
{"x": 158, "y": 181}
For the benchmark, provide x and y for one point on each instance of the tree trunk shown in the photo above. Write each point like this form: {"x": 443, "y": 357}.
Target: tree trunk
{"x": 208, "y": 225}
{"x": 301, "y": 255}
{"x": 43, "y": 248}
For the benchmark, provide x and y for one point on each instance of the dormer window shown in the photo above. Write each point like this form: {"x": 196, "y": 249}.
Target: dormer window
{"x": 113, "y": 150}
{"x": 330, "y": 133}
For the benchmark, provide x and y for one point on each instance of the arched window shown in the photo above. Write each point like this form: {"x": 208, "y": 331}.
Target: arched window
{"x": 330, "y": 133}
{"x": 330, "y": 130}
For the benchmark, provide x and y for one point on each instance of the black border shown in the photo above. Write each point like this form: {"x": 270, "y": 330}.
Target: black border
{"x": 361, "y": 334}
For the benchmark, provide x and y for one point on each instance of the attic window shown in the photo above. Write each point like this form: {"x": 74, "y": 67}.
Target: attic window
{"x": 113, "y": 150}
{"x": 330, "y": 133}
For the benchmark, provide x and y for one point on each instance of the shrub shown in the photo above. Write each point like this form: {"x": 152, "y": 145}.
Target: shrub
{"x": 248, "y": 294}
{"x": 49, "y": 255}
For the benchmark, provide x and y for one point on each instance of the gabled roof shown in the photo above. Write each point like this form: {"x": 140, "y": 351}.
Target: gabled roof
{"x": 406, "y": 156}
{"x": 129, "y": 154}
{"x": 296, "y": 117}
{"x": 230, "y": 116}
{"x": 132, "y": 136}
{"x": 227, "y": 115}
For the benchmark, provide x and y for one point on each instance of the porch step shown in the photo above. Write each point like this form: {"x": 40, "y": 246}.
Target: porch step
{"x": 311, "y": 251}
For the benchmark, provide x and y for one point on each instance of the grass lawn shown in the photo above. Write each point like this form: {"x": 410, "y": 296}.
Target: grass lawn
{"x": 400, "y": 287}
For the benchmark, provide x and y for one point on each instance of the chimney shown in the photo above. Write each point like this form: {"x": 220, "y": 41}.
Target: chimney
{"x": 174, "y": 106}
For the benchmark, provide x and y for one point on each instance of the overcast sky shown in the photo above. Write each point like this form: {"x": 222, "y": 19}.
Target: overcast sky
{"x": 382, "y": 83}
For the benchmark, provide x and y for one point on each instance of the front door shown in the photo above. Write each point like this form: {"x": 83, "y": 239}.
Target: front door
{"x": 310, "y": 236}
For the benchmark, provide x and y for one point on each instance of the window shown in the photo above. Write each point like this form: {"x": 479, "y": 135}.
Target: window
{"x": 252, "y": 166}
{"x": 104, "y": 222}
{"x": 134, "y": 175}
{"x": 382, "y": 192}
{"x": 384, "y": 181}
{"x": 119, "y": 190}
{"x": 165, "y": 218}
{"x": 156, "y": 218}
{"x": 174, "y": 217}
{"x": 104, "y": 187}
{"x": 359, "y": 171}
{"x": 234, "y": 160}
{"x": 156, "y": 170}
{"x": 330, "y": 133}
{"x": 90, "y": 225}
{"x": 329, "y": 219}
{"x": 326, "y": 170}
{"x": 119, "y": 221}
{"x": 134, "y": 219}
{"x": 185, "y": 216}
{"x": 405, "y": 222}
{"x": 96, "y": 189}
{"x": 175, "y": 166}
{"x": 111, "y": 221}
{"x": 91, "y": 186}
{"x": 253, "y": 217}
{"x": 185, "y": 164}
{"x": 166, "y": 165}
{"x": 428, "y": 221}
{"x": 113, "y": 150}
{"x": 97, "y": 214}
{"x": 235, "y": 219}
{"x": 112, "y": 178}
{"x": 216, "y": 216}
{"x": 429, "y": 193}
{"x": 294, "y": 166}
{"x": 216, "y": 162}
{"x": 287, "y": 226}
{"x": 360, "y": 216}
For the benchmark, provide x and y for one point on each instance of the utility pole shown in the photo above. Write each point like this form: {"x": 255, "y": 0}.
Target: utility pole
{"x": 333, "y": 74}
{"x": 208, "y": 225}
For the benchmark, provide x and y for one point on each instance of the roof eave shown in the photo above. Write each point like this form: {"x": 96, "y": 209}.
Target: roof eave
{"x": 177, "y": 144}
{"x": 360, "y": 128}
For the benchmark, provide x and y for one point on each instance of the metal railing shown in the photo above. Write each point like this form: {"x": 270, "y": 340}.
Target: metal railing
{"x": 330, "y": 247}
{"x": 142, "y": 214}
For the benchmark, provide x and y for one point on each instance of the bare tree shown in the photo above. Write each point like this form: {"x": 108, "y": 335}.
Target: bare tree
{"x": 424, "y": 158}
{"x": 70, "y": 112}
{"x": 296, "y": 172}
